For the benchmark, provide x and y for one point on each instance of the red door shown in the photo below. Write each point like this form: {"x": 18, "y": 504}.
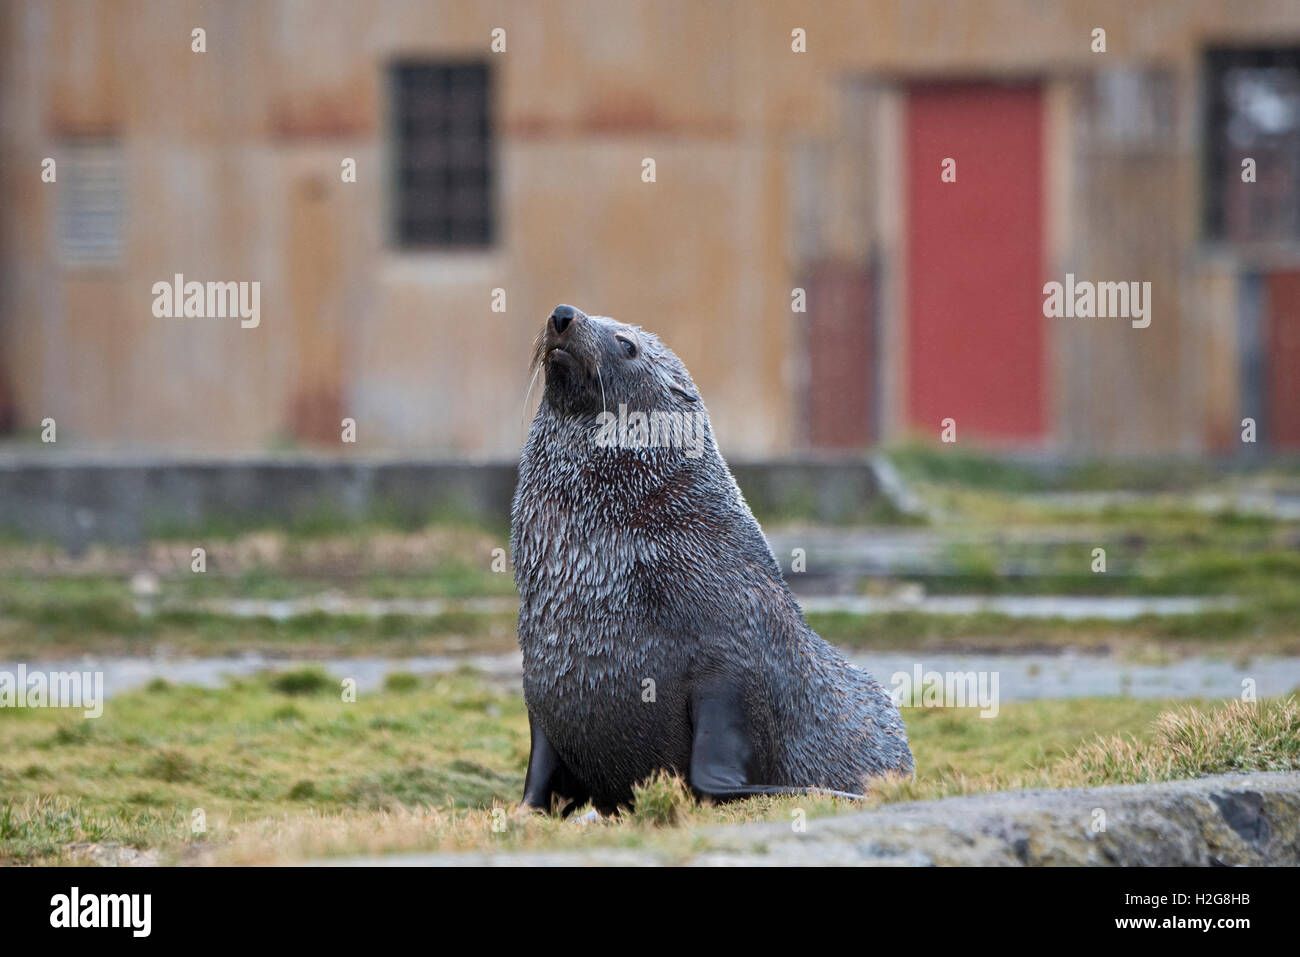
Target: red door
{"x": 975, "y": 261}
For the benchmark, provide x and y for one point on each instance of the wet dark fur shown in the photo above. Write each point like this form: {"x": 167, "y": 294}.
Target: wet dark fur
{"x": 647, "y": 563}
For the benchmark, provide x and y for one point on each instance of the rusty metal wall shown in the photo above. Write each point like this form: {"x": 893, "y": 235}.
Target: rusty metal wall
{"x": 231, "y": 172}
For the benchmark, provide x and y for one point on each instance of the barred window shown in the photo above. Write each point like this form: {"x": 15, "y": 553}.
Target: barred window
{"x": 90, "y": 207}
{"x": 1253, "y": 112}
{"x": 443, "y": 152}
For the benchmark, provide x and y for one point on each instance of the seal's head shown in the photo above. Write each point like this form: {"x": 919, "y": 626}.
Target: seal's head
{"x": 594, "y": 364}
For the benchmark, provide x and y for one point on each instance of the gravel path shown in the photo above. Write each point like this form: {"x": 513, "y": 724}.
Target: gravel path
{"x": 1019, "y": 677}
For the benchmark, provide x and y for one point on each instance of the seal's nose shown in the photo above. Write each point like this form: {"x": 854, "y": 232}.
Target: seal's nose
{"x": 561, "y": 317}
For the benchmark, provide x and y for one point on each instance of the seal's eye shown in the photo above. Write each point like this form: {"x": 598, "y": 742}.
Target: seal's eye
{"x": 629, "y": 347}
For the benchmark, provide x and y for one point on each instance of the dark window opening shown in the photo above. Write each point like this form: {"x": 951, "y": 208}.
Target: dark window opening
{"x": 444, "y": 172}
{"x": 1253, "y": 112}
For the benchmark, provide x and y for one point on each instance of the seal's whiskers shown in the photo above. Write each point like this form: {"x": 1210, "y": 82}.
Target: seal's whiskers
{"x": 602, "y": 391}
{"x": 523, "y": 409}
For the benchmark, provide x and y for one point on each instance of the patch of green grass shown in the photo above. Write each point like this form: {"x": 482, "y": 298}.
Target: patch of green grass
{"x": 241, "y": 752}
{"x": 985, "y": 470}
{"x": 457, "y": 783}
{"x": 171, "y": 765}
{"x": 1266, "y": 566}
{"x": 401, "y": 681}
{"x": 40, "y": 829}
{"x": 1246, "y": 630}
{"x": 437, "y": 766}
{"x": 114, "y": 627}
{"x": 380, "y": 515}
{"x": 304, "y": 681}
{"x": 447, "y": 580}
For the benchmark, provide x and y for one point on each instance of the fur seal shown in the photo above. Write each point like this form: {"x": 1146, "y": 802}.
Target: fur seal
{"x": 657, "y": 631}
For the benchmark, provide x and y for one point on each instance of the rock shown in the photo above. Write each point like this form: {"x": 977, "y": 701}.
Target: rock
{"x": 110, "y": 854}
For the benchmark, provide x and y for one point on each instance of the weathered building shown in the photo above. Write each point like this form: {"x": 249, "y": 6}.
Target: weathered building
{"x": 487, "y": 177}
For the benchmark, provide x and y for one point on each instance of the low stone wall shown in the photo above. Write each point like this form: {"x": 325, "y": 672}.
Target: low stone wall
{"x": 76, "y": 502}
{"x": 124, "y": 502}
{"x": 1227, "y": 819}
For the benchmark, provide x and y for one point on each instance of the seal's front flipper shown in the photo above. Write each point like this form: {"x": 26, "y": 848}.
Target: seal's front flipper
{"x": 548, "y": 781}
{"x": 722, "y": 752}
{"x": 723, "y": 756}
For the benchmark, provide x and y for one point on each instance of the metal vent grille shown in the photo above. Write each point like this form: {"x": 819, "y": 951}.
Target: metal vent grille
{"x": 91, "y": 204}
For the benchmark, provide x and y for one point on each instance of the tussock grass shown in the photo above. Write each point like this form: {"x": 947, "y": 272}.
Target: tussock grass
{"x": 401, "y": 681}
{"x": 46, "y": 829}
{"x": 1183, "y": 742}
{"x": 1237, "y": 736}
{"x": 303, "y": 681}
{"x": 663, "y": 800}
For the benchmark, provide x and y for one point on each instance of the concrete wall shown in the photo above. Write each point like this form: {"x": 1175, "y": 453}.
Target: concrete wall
{"x": 76, "y": 502}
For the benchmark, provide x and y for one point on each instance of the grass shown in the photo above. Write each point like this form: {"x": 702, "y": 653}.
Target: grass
{"x": 64, "y": 619}
{"x": 282, "y": 743}
{"x": 973, "y": 468}
{"x": 999, "y": 534}
{"x": 282, "y": 768}
{"x": 1183, "y": 742}
{"x": 1237, "y": 632}
{"x": 67, "y": 631}
{"x": 52, "y": 605}
{"x": 378, "y": 517}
